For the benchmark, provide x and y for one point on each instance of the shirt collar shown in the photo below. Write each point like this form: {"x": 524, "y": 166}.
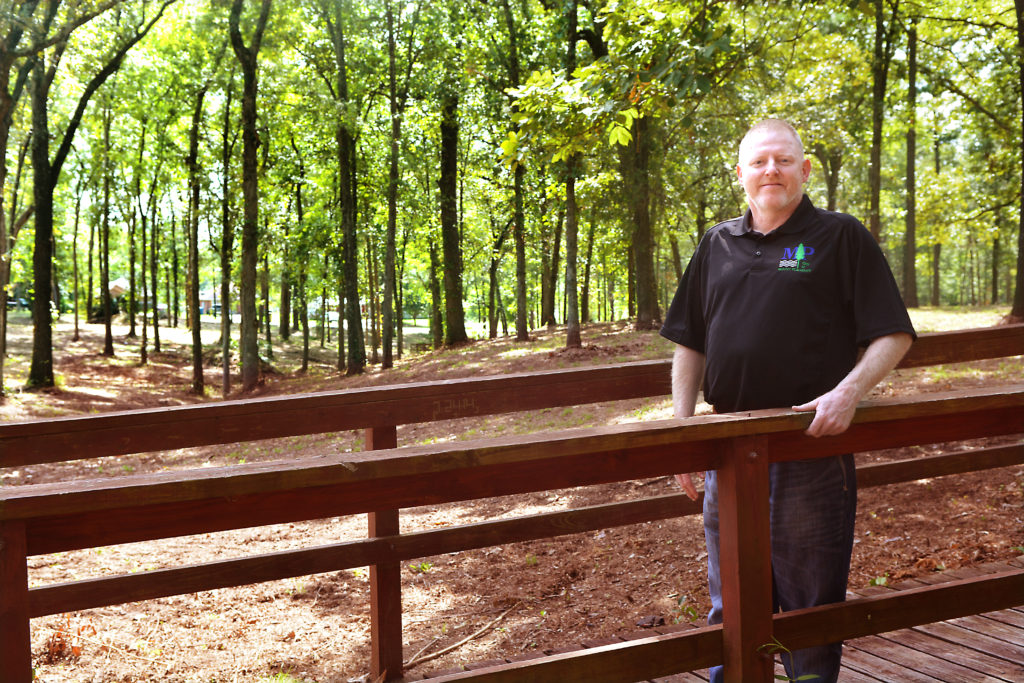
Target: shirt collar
{"x": 794, "y": 224}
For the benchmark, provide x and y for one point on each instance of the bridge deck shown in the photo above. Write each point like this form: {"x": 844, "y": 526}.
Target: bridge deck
{"x": 985, "y": 647}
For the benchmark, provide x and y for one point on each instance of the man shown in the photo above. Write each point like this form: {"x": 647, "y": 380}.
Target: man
{"x": 771, "y": 312}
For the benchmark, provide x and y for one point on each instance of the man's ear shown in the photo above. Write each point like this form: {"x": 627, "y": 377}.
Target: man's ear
{"x": 807, "y": 169}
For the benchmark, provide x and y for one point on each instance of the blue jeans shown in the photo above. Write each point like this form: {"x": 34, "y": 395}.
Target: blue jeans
{"x": 813, "y": 506}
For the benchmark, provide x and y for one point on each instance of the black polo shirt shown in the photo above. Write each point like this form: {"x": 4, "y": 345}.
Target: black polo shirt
{"x": 780, "y": 317}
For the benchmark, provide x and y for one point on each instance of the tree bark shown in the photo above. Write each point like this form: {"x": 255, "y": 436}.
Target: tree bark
{"x": 108, "y": 337}
{"x": 882, "y": 57}
{"x": 227, "y": 245}
{"x": 636, "y": 170}
{"x": 192, "y": 163}
{"x": 519, "y": 216}
{"x": 451, "y": 244}
{"x": 247, "y": 59}
{"x": 910, "y": 238}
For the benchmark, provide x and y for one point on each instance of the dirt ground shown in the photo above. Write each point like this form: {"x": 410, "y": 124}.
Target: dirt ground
{"x": 482, "y": 604}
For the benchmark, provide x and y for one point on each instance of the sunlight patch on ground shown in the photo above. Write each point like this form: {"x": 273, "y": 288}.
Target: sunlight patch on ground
{"x": 947, "y": 318}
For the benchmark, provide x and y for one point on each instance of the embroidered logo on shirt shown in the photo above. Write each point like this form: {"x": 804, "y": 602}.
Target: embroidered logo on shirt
{"x": 796, "y": 259}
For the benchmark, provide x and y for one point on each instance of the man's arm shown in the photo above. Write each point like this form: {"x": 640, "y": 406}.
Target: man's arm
{"x": 687, "y": 373}
{"x": 834, "y": 410}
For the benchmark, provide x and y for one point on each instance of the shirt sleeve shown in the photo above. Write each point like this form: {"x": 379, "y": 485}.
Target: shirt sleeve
{"x": 878, "y": 306}
{"x": 684, "y": 322}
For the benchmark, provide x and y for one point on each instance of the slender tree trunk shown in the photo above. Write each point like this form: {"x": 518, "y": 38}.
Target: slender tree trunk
{"x": 436, "y": 320}
{"x": 910, "y": 239}
{"x": 175, "y": 271}
{"x": 392, "y": 194}
{"x": 549, "y": 287}
{"x": 227, "y": 245}
{"x": 192, "y": 163}
{"x": 74, "y": 266}
{"x": 247, "y": 59}
{"x": 108, "y": 312}
{"x": 585, "y": 292}
{"x": 304, "y": 313}
{"x": 374, "y": 313}
{"x": 265, "y": 299}
{"x": 132, "y": 226}
{"x": 879, "y": 76}
{"x": 455, "y": 316}
{"x": 154, "y": 251}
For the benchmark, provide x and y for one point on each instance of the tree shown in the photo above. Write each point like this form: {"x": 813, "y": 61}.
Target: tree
{"x": 345, "y": 155}
{"x": 247, "y": 59}
{"x": 47, "y": 171}
{"x": 910, "y": 237}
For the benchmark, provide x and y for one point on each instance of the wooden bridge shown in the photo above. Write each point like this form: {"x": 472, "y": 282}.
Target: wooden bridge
{"x": 47, "y": 518}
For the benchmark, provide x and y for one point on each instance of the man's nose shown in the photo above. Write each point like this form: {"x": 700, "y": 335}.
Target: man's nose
{"x": 770, "y": 166}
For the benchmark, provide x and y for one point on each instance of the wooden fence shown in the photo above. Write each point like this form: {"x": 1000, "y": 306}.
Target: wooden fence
{"x": 46, "y": 518}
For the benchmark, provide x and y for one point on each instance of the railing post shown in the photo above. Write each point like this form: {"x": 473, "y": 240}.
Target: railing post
{"x": 15, "y": 637}
{"x": 745, "y": 561}
{"x": 385, "y": 582}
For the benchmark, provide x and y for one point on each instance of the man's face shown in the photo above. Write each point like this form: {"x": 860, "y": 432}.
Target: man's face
{"x": 773, "y": 170}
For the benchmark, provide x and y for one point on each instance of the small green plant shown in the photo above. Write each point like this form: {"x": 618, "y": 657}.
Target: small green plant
{"x": 531, "y": 560}
{"x": 685, "y": 611}
{"x": 421, "y": 568}
{"x": 880, "y": 580}
{"x": 774, "y": 648}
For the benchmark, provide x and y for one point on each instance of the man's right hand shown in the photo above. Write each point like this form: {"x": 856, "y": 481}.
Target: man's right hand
{"x": 685, "y": 482}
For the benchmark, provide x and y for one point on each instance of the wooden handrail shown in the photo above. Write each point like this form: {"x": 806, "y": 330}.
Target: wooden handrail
{"x": 136, "y": 431}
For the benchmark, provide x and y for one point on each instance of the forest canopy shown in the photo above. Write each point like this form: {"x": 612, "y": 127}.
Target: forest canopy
{"x": 487, "y": 166}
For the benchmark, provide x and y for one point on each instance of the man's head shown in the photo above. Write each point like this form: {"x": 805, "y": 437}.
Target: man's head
{"x": 773, "y": 170}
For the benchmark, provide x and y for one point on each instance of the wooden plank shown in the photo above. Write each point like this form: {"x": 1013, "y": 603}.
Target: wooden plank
{"x": 86, "y": 594}
{"x": 15, "y": 637}
{"x": 981, "y": 642}
{"x": 745, "y": 562}
{"x": 961, "y": 346}
{"x": 138, "y": 431}
{"x": 881, "y": 668}
{"x": 911, "y": 659}
{"x": 396, "y": 477}
{"x": 1011, "y": 617}
{"x": 385, "y": 581}
{"x": 627, "y": 662}
{"x": 168, "y": 428}
{"x": 965, "y": 656}
{"x": 994, "y": 628}
{"x": 897, "y": 610}
{"x": 146, "y": 520}
{"x": 882, "y": 474}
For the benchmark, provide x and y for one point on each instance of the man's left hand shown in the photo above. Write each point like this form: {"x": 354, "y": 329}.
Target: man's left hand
{"x": 833, "y": 412}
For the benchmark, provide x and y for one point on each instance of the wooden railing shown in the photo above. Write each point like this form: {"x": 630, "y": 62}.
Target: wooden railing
{"x": 47, "y": 518}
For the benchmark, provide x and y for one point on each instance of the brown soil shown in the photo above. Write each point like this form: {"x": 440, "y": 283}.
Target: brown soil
{"x": 518, "y": 599}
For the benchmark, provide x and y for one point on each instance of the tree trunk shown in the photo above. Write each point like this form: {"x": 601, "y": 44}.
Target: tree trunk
{"x": 910, "y": 239}
{"x": 451, "y": 246}
{"x": 192, "y": 163}
{"x": 549, "y": 285}
{"x": 1017, "y": 310}
{"x": 347, "y": 198}
{"x": 585, "y": 291}
{"x": 247, "y": 59}
{"x": 108, "y": 337}
{"x": 227, "y": 245}
{"x": 635, "y": 171}
{"x": 831, "y": 161}
{"x": 392, "y": 195}
{"x": 154, "y": 251}
{"x": 882, "y": 56}
{"x": 436, "y": 319}
{"x": 41, "y": 370}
